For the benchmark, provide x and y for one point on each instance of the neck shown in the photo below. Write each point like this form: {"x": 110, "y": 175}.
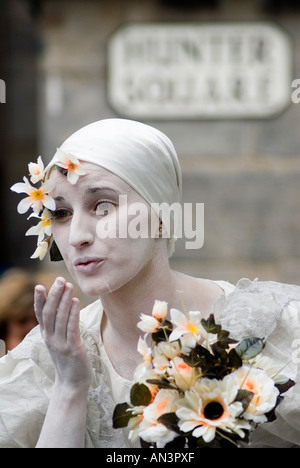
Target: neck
{"x": 124, "y": 306}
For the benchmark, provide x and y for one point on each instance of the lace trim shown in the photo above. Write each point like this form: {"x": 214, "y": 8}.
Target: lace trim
{"x": 100, "y": 404}
{"x": 254, "y": 308}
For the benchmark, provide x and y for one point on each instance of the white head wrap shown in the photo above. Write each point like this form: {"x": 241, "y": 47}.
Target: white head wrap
{"x": 139, "y": 154}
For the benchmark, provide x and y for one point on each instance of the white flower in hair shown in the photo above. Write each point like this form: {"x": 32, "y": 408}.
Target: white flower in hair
{"x": 71, "y": 164}
{"x": 37, "y": 197}
{"x": 36, "y": 170}
{"x": 41, "y": 250}
{"x": 43, "y": 228}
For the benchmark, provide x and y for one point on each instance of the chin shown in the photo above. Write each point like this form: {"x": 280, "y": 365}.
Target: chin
{"x": 93, "y": 287}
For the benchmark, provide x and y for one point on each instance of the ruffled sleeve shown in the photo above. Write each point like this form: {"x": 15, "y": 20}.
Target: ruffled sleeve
{"x": 270, "y": 310}
{"x": 26, "y": 380}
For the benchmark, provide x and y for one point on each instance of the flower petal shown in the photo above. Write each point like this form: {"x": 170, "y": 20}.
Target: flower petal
{"x": 24, "y": 205}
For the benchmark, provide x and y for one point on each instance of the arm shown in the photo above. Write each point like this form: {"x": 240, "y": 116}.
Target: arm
{"x": 58, "y": 316}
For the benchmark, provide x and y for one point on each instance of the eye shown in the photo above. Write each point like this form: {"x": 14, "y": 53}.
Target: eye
{"x": 104, "y": 207}
{"x": 61, "y": 214}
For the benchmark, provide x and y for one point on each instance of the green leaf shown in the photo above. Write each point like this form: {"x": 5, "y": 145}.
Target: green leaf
{"x": 234, "y": 360}
{"x": 121, "y": 416}
{"x": 285, "y": 386}
{"x": 164, "y": 331}
{"x": 199, "y": 357}
{"x": 245, "y": 397}
{"x": 140, "y": 395}
{"x": 161, "y": 383}
{"x": 249, "y": 348}
{"x": 210, "y": 326}
{"x": 170, "y": 420}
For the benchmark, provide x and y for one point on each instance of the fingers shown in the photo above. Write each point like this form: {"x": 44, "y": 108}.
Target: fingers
{"x": 39, "y": 302}
{"x": 55, "y": 310}
{"x": 73, "y": 332}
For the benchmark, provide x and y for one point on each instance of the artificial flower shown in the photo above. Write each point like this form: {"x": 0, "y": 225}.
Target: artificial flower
{"x": 148, "y": 324}
{"x": 161, "y": 362}
{"x": 151, "y": 323}
{"x": 41, "y": 250}
{"x": 209, "y": 406}
{"x": 160, "y": 310}
{"x": 36, "y": 170}
{"x": 184, "y": 375}
{"x": 146, "y": 353}
{"x": 43, "y": 228}
{"x": 71, "y": 164}
{"x": 188, "y": 325}
{"x": 150, "y": 429}
{"x": 170, "y": 350}
{"x": 37, "y": 199}
{"x": 265, "y": 395}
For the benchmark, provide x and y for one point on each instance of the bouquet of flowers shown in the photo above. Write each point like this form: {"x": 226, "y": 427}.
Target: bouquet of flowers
{"x": 195, "y": 386}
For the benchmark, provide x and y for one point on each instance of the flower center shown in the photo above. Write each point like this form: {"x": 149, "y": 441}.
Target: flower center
{"x": 192, "y": 328}
{"x": 71, "y": 166}
{"x": 38, "y": 195}
{"x": 213, "y": 410}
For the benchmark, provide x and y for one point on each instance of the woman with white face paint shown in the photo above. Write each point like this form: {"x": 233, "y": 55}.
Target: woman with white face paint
{"x": 77, "y": 365}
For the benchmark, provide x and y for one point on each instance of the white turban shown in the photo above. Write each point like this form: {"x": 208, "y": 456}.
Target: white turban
{"x": 139, "y": 154}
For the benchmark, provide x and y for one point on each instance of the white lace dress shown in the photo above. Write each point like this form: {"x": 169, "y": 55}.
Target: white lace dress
{"x": 27, "y": 373}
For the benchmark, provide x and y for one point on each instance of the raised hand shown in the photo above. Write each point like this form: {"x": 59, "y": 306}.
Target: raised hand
{"x": 58, "y": 316}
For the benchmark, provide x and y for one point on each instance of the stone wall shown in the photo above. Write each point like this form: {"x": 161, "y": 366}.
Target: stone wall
{"x": 247, "y": 172}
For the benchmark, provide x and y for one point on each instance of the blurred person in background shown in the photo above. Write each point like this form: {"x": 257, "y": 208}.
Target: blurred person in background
{"x": 17, "y": 317}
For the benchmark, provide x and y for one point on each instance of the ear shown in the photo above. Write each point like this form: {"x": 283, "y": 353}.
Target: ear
{"x": 55, "y": 255}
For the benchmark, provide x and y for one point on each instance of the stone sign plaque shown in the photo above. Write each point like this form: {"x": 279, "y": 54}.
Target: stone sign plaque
{"x": 199, "y": 70}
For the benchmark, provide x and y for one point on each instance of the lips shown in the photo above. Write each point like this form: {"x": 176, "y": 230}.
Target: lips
{"x": 87, "y": 264}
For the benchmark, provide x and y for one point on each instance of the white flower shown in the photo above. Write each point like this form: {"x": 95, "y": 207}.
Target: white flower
{"x": 146, "y": 352}
{"x": 184, "y": 375}
{"x": 41, "y": 250}
{"x": 148, "y": 324}
{"x": 188, "y": 326}
{"x": 265, "y": 396}
{"x": 43, "y": 228}
{"x": 150, "y": 429}
{"x": 36, "y": 170}
{"x": 170, "y": 350}
{"x": 151, "y": 323}
{"x": 160, "y": 310}
{"x": 37, "y": 197}
{"x": 209, "y": 406}
{"x": 71, "y": 164}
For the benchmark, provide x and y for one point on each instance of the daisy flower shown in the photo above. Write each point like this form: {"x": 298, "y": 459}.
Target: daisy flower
{"x": 150, "y": 429}
{"x": 71, "y": 164}
{"x": 37, "y": 199}
{"x": 43, "y": 228}
{"x": 36, "y": 170}
{"x": 210, "y": 406}
{"x": 262, "y": 385}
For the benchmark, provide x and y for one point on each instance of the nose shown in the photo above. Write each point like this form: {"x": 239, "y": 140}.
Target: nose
{"x": 82, "y": 230}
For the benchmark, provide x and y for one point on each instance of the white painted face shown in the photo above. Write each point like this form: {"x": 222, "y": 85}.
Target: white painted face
{"x": 100, "y": 263}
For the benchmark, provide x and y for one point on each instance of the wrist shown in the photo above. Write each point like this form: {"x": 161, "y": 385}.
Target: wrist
{"x": 70, "y": 391}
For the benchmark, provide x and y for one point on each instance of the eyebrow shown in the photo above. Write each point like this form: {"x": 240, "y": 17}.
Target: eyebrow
{"x": 102, "y": 189}
{"x": 92, "y": 190}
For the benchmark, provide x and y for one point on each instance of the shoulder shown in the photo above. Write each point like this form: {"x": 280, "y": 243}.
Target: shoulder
{"x": 257, "y": 308}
